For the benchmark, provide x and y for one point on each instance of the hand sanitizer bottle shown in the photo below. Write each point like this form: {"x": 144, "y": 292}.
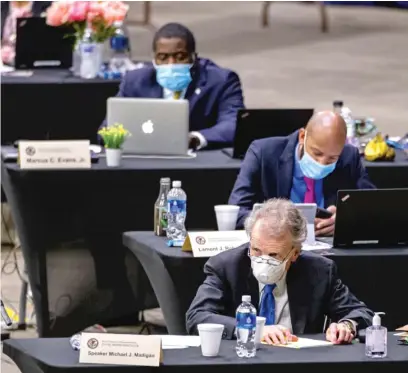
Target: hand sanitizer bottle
{"x": 376, "y": 338}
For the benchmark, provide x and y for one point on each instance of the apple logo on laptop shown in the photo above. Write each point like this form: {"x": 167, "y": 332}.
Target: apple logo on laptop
{"x": 148, "y": 127}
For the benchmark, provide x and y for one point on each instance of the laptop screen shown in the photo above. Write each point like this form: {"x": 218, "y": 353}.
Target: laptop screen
{"x": 376, "y": 217}
{"x": 254, "y": 124}
{"x": 41, "y": 46}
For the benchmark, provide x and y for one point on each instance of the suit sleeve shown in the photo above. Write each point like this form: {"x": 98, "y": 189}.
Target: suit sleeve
{"x": 209, "y": 304}
{"x": 343, "y": 305}
{"x": 229, "y": 102}
{"x": 363, "y": 181}
{"x": 248, "y": 184}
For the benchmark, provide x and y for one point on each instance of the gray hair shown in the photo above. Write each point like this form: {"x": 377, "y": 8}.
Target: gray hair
{"x": 279, "y": 215}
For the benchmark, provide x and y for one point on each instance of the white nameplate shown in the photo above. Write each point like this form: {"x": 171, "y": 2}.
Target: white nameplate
{"x": 206, "y": 244}
{"x": 120, "y": 349}
{"x": 54, "y": 154}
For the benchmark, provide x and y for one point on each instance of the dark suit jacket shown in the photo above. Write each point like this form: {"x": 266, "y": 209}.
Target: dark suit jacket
{"x": 37, "y": 9}
{"x": 314, "y": 290}
{"x": 267, "y": 172}
{"x": 215, "y": 96}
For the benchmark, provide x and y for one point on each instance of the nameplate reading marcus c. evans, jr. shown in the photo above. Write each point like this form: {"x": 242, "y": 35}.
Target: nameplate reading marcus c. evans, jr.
{"x": 120, "y": 349}
{"x": 54, "y": 154}
{"x": 206, "y": 244}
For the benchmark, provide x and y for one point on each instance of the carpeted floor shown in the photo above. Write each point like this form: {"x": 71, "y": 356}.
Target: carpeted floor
{"x": 362, "y": 60}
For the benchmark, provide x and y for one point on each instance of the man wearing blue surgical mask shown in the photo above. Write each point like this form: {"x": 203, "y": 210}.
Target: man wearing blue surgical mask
{"x": 308, "y": 166}
{"x": 176, "y": 72}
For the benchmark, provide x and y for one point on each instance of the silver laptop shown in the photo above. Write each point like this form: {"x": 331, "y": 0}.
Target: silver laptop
{"x": 158, "y": 127}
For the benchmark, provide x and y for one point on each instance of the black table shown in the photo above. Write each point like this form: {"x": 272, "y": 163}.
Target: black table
{"x": 54, "y": 207}
{"x": 373, "y": 275}
{"x": 57, "y": 356}
{"x": 52, "y": 104}
{"x": 51, "y": 208}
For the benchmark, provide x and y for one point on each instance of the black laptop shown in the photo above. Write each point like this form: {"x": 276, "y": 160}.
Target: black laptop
{"x": 254, "y": 124}
{"x": 41, "y": 46}
{"x": 371, "y": 218}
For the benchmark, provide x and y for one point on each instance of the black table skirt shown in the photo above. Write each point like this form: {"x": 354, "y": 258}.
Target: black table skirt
{"x": 57, "y": 356}
{"x": 51, "y": 104}
{"x": 96, "y": 206}
{"x": 375, "y": 276}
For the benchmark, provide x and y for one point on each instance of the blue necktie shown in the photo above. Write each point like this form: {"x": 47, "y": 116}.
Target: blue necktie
{"x": 267, "y": 308}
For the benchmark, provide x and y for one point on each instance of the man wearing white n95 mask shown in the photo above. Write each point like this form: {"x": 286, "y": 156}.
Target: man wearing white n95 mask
{"x": 293, "y": 290}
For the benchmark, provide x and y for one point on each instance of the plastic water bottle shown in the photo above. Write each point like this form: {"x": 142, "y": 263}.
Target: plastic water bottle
{"x": 119, "y": 42}
{"x": 89, "y": 56}
{"x": 245, "y": 328}
{"x": 345, "y": 112}
{"x": 176, "y": 215}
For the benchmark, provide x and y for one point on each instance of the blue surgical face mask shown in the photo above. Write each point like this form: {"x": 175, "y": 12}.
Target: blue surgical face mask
{"x": 174, "y": 77}
{"x": 313, "y": 169}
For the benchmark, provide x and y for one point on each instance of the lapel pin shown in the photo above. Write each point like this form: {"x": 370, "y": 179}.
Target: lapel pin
{"x": 197, "y": 91}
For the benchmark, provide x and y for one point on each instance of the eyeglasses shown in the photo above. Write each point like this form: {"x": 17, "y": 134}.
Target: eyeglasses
{"x": 270, "y": 261}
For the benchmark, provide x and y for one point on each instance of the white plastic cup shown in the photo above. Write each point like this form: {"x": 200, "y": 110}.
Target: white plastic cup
{"x": 210, "y": 337}
{"x": 226, "y": 217}
{"x": 260, "y": 323}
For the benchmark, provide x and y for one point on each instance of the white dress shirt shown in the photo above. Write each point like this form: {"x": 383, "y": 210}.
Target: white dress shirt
{"x": 169, "y": 95}
{"x": 282, "y": 310}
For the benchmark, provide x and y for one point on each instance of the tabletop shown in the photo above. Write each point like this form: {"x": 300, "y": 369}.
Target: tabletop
{"x": 50, "y": 76}
{"x": 209, "y": 159}
{"x": 57, "y": 353}
{"x": 150, "y": 240}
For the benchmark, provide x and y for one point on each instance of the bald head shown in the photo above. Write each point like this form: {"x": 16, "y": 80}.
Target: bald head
{"x": 328, "y": 122}
{"x": 325, "y": 136}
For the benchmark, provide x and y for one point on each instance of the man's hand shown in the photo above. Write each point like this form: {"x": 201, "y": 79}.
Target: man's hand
{"x": 325, "y": 227}
{"x": 193, "y": 142}
{"x": 339, "y": 333}
{"x": 277, "y": 334}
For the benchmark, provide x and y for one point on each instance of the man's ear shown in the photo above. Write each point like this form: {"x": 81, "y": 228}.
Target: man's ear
{"x": 301, "y": 137}
{"x": 296, "y": 255}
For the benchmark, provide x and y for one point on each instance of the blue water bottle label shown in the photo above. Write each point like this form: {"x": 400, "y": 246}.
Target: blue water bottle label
{"x": 246, "y": 320}
{"x": 176, "y": 206}
{"x": 119, "y": 42}
{"x": 88, "y": 48}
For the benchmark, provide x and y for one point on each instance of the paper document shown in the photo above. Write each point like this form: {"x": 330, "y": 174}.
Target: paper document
{"x": 179, "y": 341}
{"x": 305, "y": 343}
{"x": 317, "y": 245}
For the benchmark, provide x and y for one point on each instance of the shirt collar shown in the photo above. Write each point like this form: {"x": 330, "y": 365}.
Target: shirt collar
{"x": 169, "y": 94}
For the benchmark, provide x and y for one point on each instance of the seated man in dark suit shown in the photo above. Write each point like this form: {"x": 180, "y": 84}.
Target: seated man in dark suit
{"x": 293, "y": 290}
{"x": 308, "y": 166}
{"x": 214, "y": 93}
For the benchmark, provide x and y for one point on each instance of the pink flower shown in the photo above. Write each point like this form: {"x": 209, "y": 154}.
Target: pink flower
{"x": 79, "y": 11}
{"x": 117, "y": 10}
{"x": 114, "y": 11}
{"x": 96, "y": 11}
{"x": 58, "y": 13}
